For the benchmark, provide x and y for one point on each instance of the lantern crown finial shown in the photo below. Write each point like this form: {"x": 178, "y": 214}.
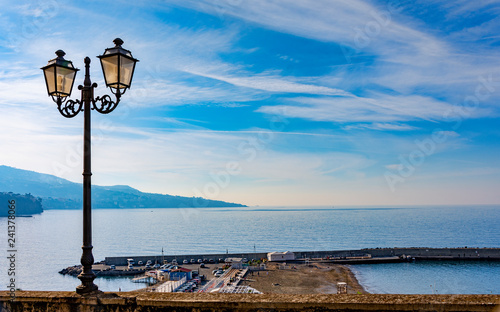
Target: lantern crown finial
{"x": 60, "y": 54}
{"x": 118, "y": 42}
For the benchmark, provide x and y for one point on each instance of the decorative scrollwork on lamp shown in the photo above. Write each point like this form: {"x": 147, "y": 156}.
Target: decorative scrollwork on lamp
{"x": 107, "y": 105}
{"x": 70, "y": 108}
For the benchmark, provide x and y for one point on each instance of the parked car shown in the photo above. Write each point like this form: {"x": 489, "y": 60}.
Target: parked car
{"x": 211, "y": 261}
{"x": 185, "y": 262}
{"x": 218, "y": 271}
{"x": 192, "y": 261}
{"x": 202, "y": 265}
{"x": 140, "y": 263}
{"x": 156, "y": 266}
{"x": 112, "y": 267}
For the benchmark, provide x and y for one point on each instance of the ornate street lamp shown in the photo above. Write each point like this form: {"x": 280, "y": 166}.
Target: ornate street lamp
{"x": 118, "y": 66}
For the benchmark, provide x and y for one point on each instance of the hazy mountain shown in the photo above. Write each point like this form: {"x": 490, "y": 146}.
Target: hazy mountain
{"x": 58, "y": 193}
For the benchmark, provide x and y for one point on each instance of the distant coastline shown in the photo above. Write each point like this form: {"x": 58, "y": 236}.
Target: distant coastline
{"x": 57, "y": 193}
{"x": 24, "y": 205}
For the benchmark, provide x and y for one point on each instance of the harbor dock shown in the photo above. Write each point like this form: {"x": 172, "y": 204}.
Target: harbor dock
{"x": 355, "y": 256}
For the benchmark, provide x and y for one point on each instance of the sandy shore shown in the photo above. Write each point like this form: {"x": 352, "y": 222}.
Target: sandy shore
{"x": 314, "y": 278}
{"x": 303, "y": 279}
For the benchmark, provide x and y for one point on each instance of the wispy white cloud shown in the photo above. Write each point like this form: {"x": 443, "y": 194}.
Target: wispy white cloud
{"x": 31, "y": 92}
{"x": 448, "y": 133}
{"x": 394, "y": 167}
{"x": 270, "y": 81}
{"x": 465, "y": 8}
{"x": 273, "y": 83}
{"x": 173, "y": 93}
{"x": 157, "y": 81}
{"x": 326, "y": 21}
{"x": 407, "y": 55}
{"x": 381, "y": 108}
{"x": 382, "y": 126}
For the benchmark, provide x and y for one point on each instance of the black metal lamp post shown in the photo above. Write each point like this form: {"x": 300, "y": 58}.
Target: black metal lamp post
{"x": 118, "y": 66}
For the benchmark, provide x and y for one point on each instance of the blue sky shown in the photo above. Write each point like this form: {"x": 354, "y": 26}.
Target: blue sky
{"x": 267, "y": 102}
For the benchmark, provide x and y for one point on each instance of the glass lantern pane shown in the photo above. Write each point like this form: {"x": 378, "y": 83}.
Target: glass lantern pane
{"x": 110, "y": 69}
{"x": 126, "y": 70}
{"x": 64, "y": 80}
{"x": 49, "y": 79}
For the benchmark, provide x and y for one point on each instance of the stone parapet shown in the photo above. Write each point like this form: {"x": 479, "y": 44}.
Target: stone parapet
{"x": 35, "y": 301}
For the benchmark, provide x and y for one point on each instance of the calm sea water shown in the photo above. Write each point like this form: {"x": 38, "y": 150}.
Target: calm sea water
{"x": 51, "y": 241}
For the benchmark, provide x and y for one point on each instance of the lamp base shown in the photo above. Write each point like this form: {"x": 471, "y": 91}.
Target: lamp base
{"x": 87, "y": 285}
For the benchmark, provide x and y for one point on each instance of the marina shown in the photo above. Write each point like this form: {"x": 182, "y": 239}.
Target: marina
{"x": 126, "y": 266}
{"x": 228, "y": 273}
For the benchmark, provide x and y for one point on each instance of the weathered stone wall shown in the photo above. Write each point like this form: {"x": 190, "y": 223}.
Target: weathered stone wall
{"x": 35, "y": 301}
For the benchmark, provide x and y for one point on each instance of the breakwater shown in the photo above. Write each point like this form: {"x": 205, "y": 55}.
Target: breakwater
{"x": 464, "y": 253}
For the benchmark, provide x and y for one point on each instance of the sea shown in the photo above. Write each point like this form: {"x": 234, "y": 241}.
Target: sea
{"x": 51, "y": 241}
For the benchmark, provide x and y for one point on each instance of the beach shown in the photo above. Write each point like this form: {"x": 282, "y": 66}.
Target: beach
{"x": 303, "y": 279}
{"x": 313, "y": 278}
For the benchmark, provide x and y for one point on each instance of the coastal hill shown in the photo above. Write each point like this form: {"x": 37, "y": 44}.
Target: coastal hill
{"x": 24, "y": 205}
{"x": 58, "y": 193}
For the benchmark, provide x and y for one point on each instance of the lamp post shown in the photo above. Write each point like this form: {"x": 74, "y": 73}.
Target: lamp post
{"x": 118, "y": 67}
